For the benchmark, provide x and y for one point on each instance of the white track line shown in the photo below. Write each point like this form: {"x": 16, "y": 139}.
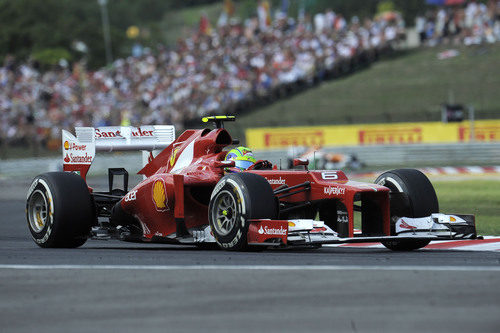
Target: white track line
{"x": 253, "y": 267}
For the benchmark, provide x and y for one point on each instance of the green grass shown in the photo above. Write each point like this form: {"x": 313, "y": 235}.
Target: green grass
{"x": 478, "y": 197}
{"x": 408, "y": 87}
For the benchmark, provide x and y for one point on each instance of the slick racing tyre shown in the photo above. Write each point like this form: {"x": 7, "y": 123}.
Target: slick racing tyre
{"x": 421, "y": 201}
{"x": 59, "y": 210}
{"x": 236, "y": 199}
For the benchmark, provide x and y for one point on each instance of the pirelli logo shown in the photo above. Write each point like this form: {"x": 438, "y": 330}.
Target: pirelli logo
{"x": 481, "y": 133}
{"x": 302, "y": 138}
{"x": 390, "y": 136}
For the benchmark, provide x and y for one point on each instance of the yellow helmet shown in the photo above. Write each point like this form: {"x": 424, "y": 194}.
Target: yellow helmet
{"x": 242, "y": 157}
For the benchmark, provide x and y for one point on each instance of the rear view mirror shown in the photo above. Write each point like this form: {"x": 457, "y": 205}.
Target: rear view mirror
{"x": 300, "y": 161}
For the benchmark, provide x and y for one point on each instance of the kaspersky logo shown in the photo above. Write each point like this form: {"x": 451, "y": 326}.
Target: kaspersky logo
{"x": 334, "y": 190}
{"x": 272, "y": 231}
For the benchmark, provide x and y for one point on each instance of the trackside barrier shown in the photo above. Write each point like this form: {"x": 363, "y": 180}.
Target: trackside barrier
{"x": 373, "y": 156}
{"x": 374, "y": 134}
{"x": 409, "y": 155}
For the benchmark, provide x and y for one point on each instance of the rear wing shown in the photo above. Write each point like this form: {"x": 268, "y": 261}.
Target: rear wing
{"x": 79, "y": 151}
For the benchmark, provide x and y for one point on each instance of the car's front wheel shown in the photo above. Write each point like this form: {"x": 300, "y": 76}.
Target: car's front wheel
{"x": 236, "y": 199}
{"x": 420, "y": 201}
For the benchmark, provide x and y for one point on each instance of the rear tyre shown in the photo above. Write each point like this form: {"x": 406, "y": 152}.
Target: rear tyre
{"x": 236, "y": 199}
{"x": 59, "y": 210}
{"x": 422, "y": 201}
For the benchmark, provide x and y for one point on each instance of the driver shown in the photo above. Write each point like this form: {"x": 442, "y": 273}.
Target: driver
{"x": 242, "y": 157}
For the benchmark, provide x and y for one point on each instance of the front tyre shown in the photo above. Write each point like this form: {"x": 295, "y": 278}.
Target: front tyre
{"x": 236, "y": 199}
{"x": 59, "y": 210}
{"x": 421, "y": 201}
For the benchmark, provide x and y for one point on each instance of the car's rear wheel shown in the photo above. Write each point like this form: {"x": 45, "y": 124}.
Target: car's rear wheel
{"x": 59, "y": 210}
{"x": 236, "y": 199}
{"x": 421, "y": 201}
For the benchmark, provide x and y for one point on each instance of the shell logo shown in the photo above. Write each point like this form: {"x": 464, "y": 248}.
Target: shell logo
{"x": 66, "y": 145}
{"x": 160, "y": 195}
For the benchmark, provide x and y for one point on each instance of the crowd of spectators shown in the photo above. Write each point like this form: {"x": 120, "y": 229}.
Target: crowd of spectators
{"x": 211, "y": 72}
{"x": 471, "y": 23}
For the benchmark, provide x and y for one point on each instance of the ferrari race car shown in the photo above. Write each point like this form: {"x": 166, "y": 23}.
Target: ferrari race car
{"x": 188, "y": 196}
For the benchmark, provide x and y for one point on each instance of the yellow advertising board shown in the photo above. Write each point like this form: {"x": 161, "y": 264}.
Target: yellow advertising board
{"x": 373, "y": 134}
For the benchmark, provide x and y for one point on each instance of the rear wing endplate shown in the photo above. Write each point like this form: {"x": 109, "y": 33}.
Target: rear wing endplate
{"x": 79, "y": 151}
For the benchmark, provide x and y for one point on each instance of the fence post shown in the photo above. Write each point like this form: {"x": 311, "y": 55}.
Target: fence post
{"x": 471, "y": 124}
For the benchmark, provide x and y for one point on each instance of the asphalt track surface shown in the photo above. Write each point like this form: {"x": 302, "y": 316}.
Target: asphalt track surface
{"x": 127, "y": 287}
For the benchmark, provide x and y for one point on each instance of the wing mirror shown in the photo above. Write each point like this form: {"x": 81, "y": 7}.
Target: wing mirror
{"x": 300, "y": 161}
{"x": 224, "y": 164}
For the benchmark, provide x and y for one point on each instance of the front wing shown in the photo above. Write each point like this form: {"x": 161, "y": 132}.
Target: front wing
{"x": 304, "y": 232}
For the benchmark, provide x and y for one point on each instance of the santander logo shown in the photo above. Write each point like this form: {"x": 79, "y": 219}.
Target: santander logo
{"x": 272, "y": 231}
{"x": 279, "y": 181}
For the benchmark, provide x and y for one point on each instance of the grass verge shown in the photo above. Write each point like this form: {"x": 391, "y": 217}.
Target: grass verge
{"x": 478, "y": 197}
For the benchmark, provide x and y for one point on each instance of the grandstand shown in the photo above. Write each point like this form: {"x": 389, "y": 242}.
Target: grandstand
{"x": 240, "y": 66}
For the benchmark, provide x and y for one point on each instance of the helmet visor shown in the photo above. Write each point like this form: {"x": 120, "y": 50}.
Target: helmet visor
{"x": 242, "y": 164}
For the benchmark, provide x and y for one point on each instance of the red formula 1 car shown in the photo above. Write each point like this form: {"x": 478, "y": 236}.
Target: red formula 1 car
{"x": 188, "y": 197}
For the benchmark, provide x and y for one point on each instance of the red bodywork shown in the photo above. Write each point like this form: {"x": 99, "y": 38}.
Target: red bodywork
{"x": 181, "y": 178}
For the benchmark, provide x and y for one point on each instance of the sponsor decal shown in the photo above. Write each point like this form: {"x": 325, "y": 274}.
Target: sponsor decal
{"x": 329, "y": 175}
{"x": 405, "y": 225}
{"x": 78, "y": 159}
{"x": 390, "y": 136}
{"x": 481, "y": 133}
{"x": 217, "y": 188}
{"x": 279, "y": 181}
{"x": 342, "y": 217}
{"x": 286, "y": 139}
{"x": 272, "y": 231}
{"x": 160, "y": 195}
{"x": 74, "y": 146}
{"x": 334, "y": 190}
{"x": 142, "y": 133}
{"x": 173, "y": 156}
{"x": 131, "y": 196}
{"x": 115, "y": 132}
{"x": 99, "y": 134}
{"x": 233, "y": 242}
{"x": 32, "y": 187}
